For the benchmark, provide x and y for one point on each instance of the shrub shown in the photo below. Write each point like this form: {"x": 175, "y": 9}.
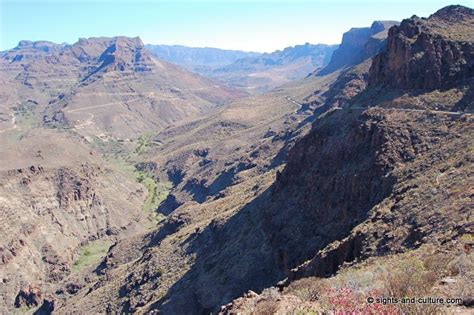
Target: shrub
{"x": 347, "y": 301}
{"x": 308, "y": 289}
{"x": 409, "y": 278}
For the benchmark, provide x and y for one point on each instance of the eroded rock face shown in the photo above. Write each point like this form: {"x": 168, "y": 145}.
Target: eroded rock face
{"x": 334, "y": 176}
{"x": 421, "y": 208}
{"x": 122, "y": 54}
{"x": 357, "y": 45}
{"x": 47, "y": 214}
{"x": 332, "y": 179}
{"x": 29, "y": 296}
{"x": 427, "y": 53}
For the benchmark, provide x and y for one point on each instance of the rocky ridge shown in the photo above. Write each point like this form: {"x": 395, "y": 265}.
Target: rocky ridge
{"x": 53, "y": 204}
{"x": 361, "y": 184}
{"x": 199, "y": 60}
{"x": 428, "y": 53}
{"x": 102, "y": 87}
{"x": 421, "y": 204}
{"x": 357, "y": 45}
{"x": 282, "y": 210}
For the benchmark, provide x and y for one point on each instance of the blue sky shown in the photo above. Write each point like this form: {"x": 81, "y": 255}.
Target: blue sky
{"x": 264, "y": 25}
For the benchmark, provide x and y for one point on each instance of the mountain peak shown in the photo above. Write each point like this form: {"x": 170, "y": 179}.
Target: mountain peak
{"x": 120, "y": 54}
{"x": 355, "y": 45}
{"x": 120, "y": 40}
{"x": 129, "y": 41}
{"x": 378, "y": 26}
{"x": 452, "y": 13}
{"x": 42, "y": 45}
{"x": 427, "y": 53}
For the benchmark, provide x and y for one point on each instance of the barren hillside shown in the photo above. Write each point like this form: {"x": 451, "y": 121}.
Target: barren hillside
{"x": 354, "y": 182}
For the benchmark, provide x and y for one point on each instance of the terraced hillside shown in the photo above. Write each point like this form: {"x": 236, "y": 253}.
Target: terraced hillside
{"x": 112, "y": 86}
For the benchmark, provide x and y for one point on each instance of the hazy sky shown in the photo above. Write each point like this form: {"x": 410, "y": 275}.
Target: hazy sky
{"x": 263, "y": 25}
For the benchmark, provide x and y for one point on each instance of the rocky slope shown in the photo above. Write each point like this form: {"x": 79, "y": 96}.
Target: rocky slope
{"x": 63, "y": 106}
{"x": 365, "y": 182}
{"x": 55, "y": 198}
{"x": 351, "y": 64}
{"x": 367, "y": 189}
{"x": 347, "y": 181}
{"x": 405, "y": 194}
{"x": 362, "y": 184}
{"x": 112, "y": 86}
{"x": 375, "y": 199}
{"x": 252, "y": 72}
{"x": 428, "y": 53}
{"x": 357, "y": 45}
{"x": 212, "y": 178}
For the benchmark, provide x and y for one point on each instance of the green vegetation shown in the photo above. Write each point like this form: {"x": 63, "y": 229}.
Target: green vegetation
{"x": 123, "y": 165}
{"x": 410, "y": 274}
{"x": 115, "y": 153}
{"x": 110, "y": 148}
{"x": 91, "y": 254}
{"x": 143, "y": 143}
{"x": 24, "y": 115}
{"x": 157, "y": 192}
{"x": 22, "y": 121}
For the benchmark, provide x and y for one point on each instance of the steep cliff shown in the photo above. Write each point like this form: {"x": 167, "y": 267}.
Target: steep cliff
{"x": 56, "y": 198}
{"x": 394, "y": 179}
{"x": 362, "y": 184}
{"x": 402, "y": 194}
{"x": 357, "y": 45}
{"x": 376, "y": 178}
{"x": 428, "y": 53}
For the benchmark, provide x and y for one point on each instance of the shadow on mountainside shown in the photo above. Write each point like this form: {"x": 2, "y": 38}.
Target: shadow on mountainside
{"x": 228, "y": 255}
{"x": 333, "y": 178}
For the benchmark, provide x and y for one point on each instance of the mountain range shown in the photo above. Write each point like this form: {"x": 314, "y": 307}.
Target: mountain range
{"x": 198, "y": 59}
{"x": 131, "y": 185}
{"x": 252, "y": 72}
{"x": 265, "y": 72}
{"x": 111, "y": 85}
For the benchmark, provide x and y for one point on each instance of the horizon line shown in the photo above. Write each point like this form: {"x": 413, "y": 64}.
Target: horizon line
{"x": 170, "y": 44}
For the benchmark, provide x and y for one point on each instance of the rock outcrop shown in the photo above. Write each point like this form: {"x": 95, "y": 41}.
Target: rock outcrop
{"x": 290, "y": 202}
{"x": 357, "y": 45}
{"x": 29, "y": 296}
{"x": 55, "y": 197}
{"x": 47, "y": 307}
{"x": 428, "y": 53}
{"x": 122, "y": 54}
{"x": 355, "y": 175}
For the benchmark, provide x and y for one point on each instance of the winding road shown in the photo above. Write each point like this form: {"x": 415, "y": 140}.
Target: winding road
{"x": 102, "y": 105}
{"x": 291, "y": 100}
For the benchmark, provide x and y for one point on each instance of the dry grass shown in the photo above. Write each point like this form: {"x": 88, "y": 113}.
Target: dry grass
{"x": 415, "y": 274}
